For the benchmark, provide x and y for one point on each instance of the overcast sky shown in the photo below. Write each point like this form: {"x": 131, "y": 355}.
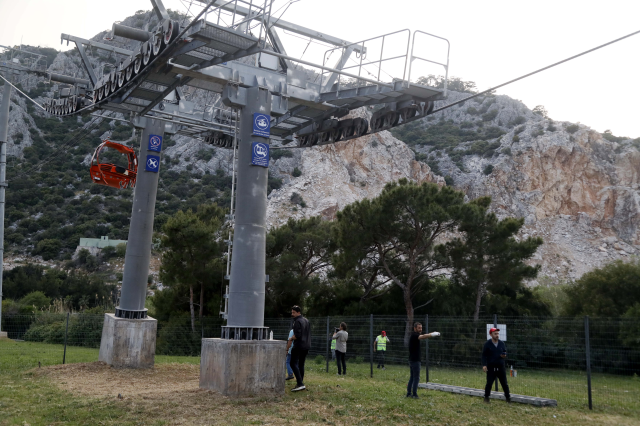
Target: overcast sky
{"x": 491, "y": 42}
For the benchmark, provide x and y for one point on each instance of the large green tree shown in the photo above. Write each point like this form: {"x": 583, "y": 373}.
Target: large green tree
{"x": 488, "y": 258}
{"x": 192, "y": 252}
{"x": 399, "y": 230}
{"x": 609, "y": 291}
{"x": 297, "y": 253}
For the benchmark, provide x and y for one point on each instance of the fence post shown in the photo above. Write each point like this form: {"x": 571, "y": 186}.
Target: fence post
{"x": 371, "y": 343}
{"x": 66, "y": 330}
{"x": 495, "y": 324}
{"x": 426, "y": 325}
{"x": 587, "y": 348}
{"x": 328, "y": 352}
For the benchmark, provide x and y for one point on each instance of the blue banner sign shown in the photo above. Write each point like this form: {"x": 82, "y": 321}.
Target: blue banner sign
{"x": 155, "y": 143}
{"x": 261, "y": 125}
{"x": 260, "y": 154}
{"x": 153, "y": 163}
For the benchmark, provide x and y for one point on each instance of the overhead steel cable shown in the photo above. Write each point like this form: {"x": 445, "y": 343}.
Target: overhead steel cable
{"x": 535, "y": 72}
{"x": 23, "y": 94}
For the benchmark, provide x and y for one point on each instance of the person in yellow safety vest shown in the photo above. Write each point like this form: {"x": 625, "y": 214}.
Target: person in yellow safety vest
{"x": 333, "y": 350}
{"x": 380, "y": 346}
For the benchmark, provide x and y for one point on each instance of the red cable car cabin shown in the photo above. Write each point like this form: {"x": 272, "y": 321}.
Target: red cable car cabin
{"x": 111, "y": 174}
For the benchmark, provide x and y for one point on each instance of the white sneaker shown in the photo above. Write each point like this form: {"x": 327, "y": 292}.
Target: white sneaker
{"x": 298, "y": 388}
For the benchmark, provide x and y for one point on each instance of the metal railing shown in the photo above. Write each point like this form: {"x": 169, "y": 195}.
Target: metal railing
{"x": 413, "y": 57}
{"x": 365, "y": 48}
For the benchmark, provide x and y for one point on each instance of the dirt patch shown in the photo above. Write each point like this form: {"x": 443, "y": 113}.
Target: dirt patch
{"x": 99, "y": 379}
{"x": 170, "y": 393}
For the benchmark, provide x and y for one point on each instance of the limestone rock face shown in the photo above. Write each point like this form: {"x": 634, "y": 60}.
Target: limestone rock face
{"x": 334, "y": 176}
{"x": 574, "y": 188}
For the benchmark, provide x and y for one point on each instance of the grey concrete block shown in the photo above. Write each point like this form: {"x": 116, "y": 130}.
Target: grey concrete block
{"x": 129, "y": 343}
{"x": 243, "y": 367}
{"x": 3, "y": 335}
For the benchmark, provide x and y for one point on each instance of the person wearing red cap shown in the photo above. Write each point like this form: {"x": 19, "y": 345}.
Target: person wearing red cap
{"x": 494, "y": 353}
{"x": 380, "y": 346}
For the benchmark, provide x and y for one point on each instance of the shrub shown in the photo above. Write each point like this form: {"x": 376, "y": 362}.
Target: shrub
{"x": 541, "y": 111}
{"x": 204, "y": 155}
{"x": 507, "y": 151}
{"x": 518, "y": 120}
{"x": 537, "y": 132}
{"x": 319, "y": 360}
{"x": 572, "y": 128}
{"x": 358, "y": 360}
{"x": 551, "y": 127}
{"x": 449, "y": 180}
{"x": 519, "y": 130}
{"x": 280, "y": 153}
{"x": 488, "y": 169}
{"x": 17, "y": 138}
{"x": 472, "y": 111}
{"x": 297, "y": 199}
{"x": 490, "y": 115}
{"x": 608, "y": 135}
{"x": 48, "y": 249}
{"x": 121, "y": 250}
{"x": 296, "y": 172}
{"x": 36, "y": 300}
{"x": 516, "y": 138}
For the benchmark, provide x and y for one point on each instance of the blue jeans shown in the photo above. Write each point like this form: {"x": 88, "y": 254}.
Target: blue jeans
{"x": 289, "y": 370}
{"x": 412, "y": 387}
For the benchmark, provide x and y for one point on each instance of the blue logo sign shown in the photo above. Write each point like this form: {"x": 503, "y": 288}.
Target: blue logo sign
{"x": 153, "y": 163}
{"x": 155, "y": 143}
{"x": 261, "y": 125}
{"x": 260, "y": 154}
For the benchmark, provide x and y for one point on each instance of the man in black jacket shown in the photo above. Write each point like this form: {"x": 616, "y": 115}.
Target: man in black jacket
{"x": 493, "y": 354}
{"x": 301, "y": 344}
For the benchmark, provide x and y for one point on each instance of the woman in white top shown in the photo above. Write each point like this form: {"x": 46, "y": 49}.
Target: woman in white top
{"x": 341, "y": 337}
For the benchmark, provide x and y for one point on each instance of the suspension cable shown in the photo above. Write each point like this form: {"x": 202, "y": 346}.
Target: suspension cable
{"x": 535, "y": 72}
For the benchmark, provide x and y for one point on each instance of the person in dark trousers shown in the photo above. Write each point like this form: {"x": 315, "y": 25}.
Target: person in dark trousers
{"x": 414, "y": 358}
{"x": 494, "y": 353}
{"x": 340, "y": 337}
{"x": 301, "y": 344}
{"x": 380, "y": 346}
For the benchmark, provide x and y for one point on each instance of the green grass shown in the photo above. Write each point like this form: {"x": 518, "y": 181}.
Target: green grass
{"x": 36, "y": 399}
{"x": 17, "y": 355}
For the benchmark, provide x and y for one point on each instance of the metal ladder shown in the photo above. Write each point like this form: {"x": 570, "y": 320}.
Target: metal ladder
{"x": 231, "y": 217}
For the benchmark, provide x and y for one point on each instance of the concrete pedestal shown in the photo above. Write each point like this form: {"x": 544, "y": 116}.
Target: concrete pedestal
{"x": 243, "y": 367}
{"x": 129, "y": 343}
{"x": 3, "y": 335}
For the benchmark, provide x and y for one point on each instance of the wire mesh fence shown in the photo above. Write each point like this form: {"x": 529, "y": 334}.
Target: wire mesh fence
{"x": 546, "y": 357}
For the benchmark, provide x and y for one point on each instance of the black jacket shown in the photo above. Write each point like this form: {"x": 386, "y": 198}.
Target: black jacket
{"x": 491, "y": 354}
{"x": 302, "y": 331}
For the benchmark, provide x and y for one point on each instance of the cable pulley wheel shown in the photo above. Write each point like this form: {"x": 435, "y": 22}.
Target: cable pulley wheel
{"x": 146, "y": 53}
{"x": 158, "y": 46}
{"x": 121, "y": 78}
{"x": 137, "y": 66}
{"x": 170, "y": 32}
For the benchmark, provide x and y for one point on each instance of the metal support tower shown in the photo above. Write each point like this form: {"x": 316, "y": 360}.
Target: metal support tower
{"x": 4, "y": 127}
{"x": 247, "y": 284}
{"x": 138, "y": 254}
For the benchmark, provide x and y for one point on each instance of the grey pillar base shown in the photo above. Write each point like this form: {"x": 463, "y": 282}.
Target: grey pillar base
{"x": 3, "y": 335}
{"x": 243, "y": 367}
{"x": 128, "y": 343}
